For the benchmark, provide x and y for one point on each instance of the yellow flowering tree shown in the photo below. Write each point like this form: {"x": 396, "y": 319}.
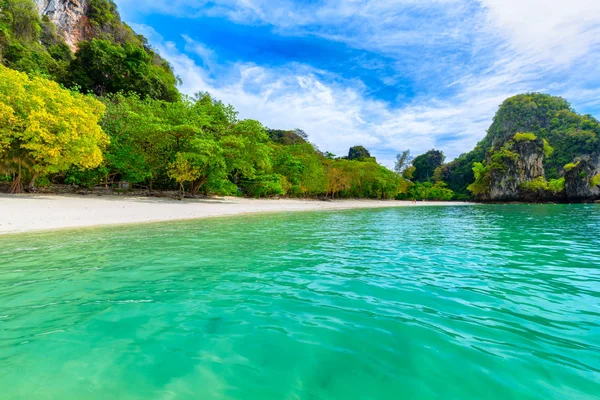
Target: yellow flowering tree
{"x": 46, "y": 129}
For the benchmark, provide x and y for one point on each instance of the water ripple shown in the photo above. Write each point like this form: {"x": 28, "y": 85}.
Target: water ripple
{"x": 496, "y": 302}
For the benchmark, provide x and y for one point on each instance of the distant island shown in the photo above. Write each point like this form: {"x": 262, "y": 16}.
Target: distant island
{"x": 86, "y": 102}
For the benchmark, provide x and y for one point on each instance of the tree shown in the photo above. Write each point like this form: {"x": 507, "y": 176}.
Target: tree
{"x": 403, "y": 161}
{"x": 143, "y": 142}
{"x": 202, "y": 161}
{"x": 246, "y": 150}
{"x": 426, "y": 164}
{"x": 481, "y": 186}
{"x": 103, "y": 67}
{"x": 296, "y": 136}
{"x": 337, "y": 181}
{"x": 358, "y": 153}
{"x": 302, "y": 167}
{"x": 46, "y": 129}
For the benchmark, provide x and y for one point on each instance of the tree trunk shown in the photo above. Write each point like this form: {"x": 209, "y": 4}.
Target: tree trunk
{"x": 17, "y": 184}
{"x": 31, "y": 186}
{"x": 196, "y": 185}
{"x": 181, "y": 191}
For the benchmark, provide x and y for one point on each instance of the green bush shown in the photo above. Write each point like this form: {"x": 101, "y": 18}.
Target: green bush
{"x": 481, "y": 186}
{"x": 571, "y": 166}
{"x": 524, "y": 137}
{"x": 548, "y": 150}
{"x": 556, "y": 186}
{"x": 595, "y": 181}
{"x": 428, "y": 191}
{"x": 265, "y": 186}
{"x": 537, "y": 185}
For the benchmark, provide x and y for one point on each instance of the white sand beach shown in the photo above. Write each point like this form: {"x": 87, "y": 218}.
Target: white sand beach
{"x": 29, "y": 213}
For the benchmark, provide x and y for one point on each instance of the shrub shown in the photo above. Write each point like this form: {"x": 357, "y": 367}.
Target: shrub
{"x": 524, "y": 137}
{"x": 595, "y": 181}
{"x": 481, "y": 186}
{"x": 536, "y": 185}
{"x": 570, "y": 166}
{"x": 556, "y": 185}
{"x": 548, "y": 150}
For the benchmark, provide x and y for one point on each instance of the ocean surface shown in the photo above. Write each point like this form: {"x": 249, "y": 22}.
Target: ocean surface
{"x": 474, "y": 302}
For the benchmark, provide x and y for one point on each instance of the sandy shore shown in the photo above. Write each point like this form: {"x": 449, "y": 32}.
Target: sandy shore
{"x": 28, "y": 213}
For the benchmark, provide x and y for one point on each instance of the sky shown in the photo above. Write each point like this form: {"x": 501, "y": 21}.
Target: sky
{"x": 389, "y": 75}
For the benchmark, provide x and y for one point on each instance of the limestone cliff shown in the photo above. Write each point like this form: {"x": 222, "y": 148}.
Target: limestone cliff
{"x": 69, "y": 16}
{"x": 513, "y": 168}
{"x": 582, "y": 178}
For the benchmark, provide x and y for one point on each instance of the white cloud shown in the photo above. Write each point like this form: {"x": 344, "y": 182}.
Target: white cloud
{"x": 552, "y": 31}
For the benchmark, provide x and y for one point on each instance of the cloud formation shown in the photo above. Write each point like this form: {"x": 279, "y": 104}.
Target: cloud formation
{"x": 459, "y": 59}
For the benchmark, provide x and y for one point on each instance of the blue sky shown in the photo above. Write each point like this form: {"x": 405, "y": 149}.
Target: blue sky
{"x": 387, "y": 74}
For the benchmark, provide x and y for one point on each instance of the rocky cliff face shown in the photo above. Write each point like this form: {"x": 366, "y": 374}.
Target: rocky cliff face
{"x": 508, "y": 178}
{"x": 579, "y": 179}
{"x": 69, "y": 16}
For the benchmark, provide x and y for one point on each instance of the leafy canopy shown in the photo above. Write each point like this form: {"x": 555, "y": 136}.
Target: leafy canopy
{"x": 46, "y": 127}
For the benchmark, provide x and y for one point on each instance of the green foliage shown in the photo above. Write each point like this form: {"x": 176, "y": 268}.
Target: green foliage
{"x": 296, "y": 136}
{"x": 570, "y": 166}
{"x": 481, "y": 186}
{"x": 524, "y": 137}
{"x": 548, "y": 150}
{"x": 22, "y": 18}
{"x": 499, "y": 158}
{"x": 595, "y": 181}
{"x": 45, "y": 129}
{"x": 428, "y": 191}
{"x": 362, "y": 179}
{"x": 28, "y": 43}
{"x": 537, "y": 185}
{"x": 157, "y": 137}
{"x": 267, "y": 185}
{"x": 426, "y": 165}
{"x": 359, "y": 153}
{"x": 538, "y": 115}
{"x": 556, "y": 186}
{"x": 409, "y": 173}
{"x": 113, "y": 59}
{"x": 458, "y": 174}
{"x": 403, "y": 161}
{"x": 103, "y": 67}
{"x": 530, "y": 112}
{"x": 302, "y": 167}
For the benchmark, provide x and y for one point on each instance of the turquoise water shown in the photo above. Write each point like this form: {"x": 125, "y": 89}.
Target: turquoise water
{"x": 483, "y": 302}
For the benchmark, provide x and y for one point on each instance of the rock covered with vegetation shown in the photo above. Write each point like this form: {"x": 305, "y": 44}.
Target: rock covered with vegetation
{"x": 582, "y": 178}
{"x": 69, "y": 16}
{"x": 82, "y": 44}
{"x": 514, "y": 166}
{"x": 531, "y": 148}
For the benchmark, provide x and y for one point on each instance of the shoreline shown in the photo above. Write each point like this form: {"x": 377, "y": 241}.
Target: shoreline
{"x": 46, "y": 212}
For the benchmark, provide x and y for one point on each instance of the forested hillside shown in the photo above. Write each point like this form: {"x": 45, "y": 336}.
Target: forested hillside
{"x": 110, "y": 58}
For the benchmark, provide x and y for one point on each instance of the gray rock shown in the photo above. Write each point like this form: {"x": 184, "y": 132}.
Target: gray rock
{"x": 69, "y": 16}
{"x": 578, "y": 180}
{"x": 505, "y": 182}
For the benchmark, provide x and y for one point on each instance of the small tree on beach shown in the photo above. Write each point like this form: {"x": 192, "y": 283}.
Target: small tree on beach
{"x": 46, "y": 129}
